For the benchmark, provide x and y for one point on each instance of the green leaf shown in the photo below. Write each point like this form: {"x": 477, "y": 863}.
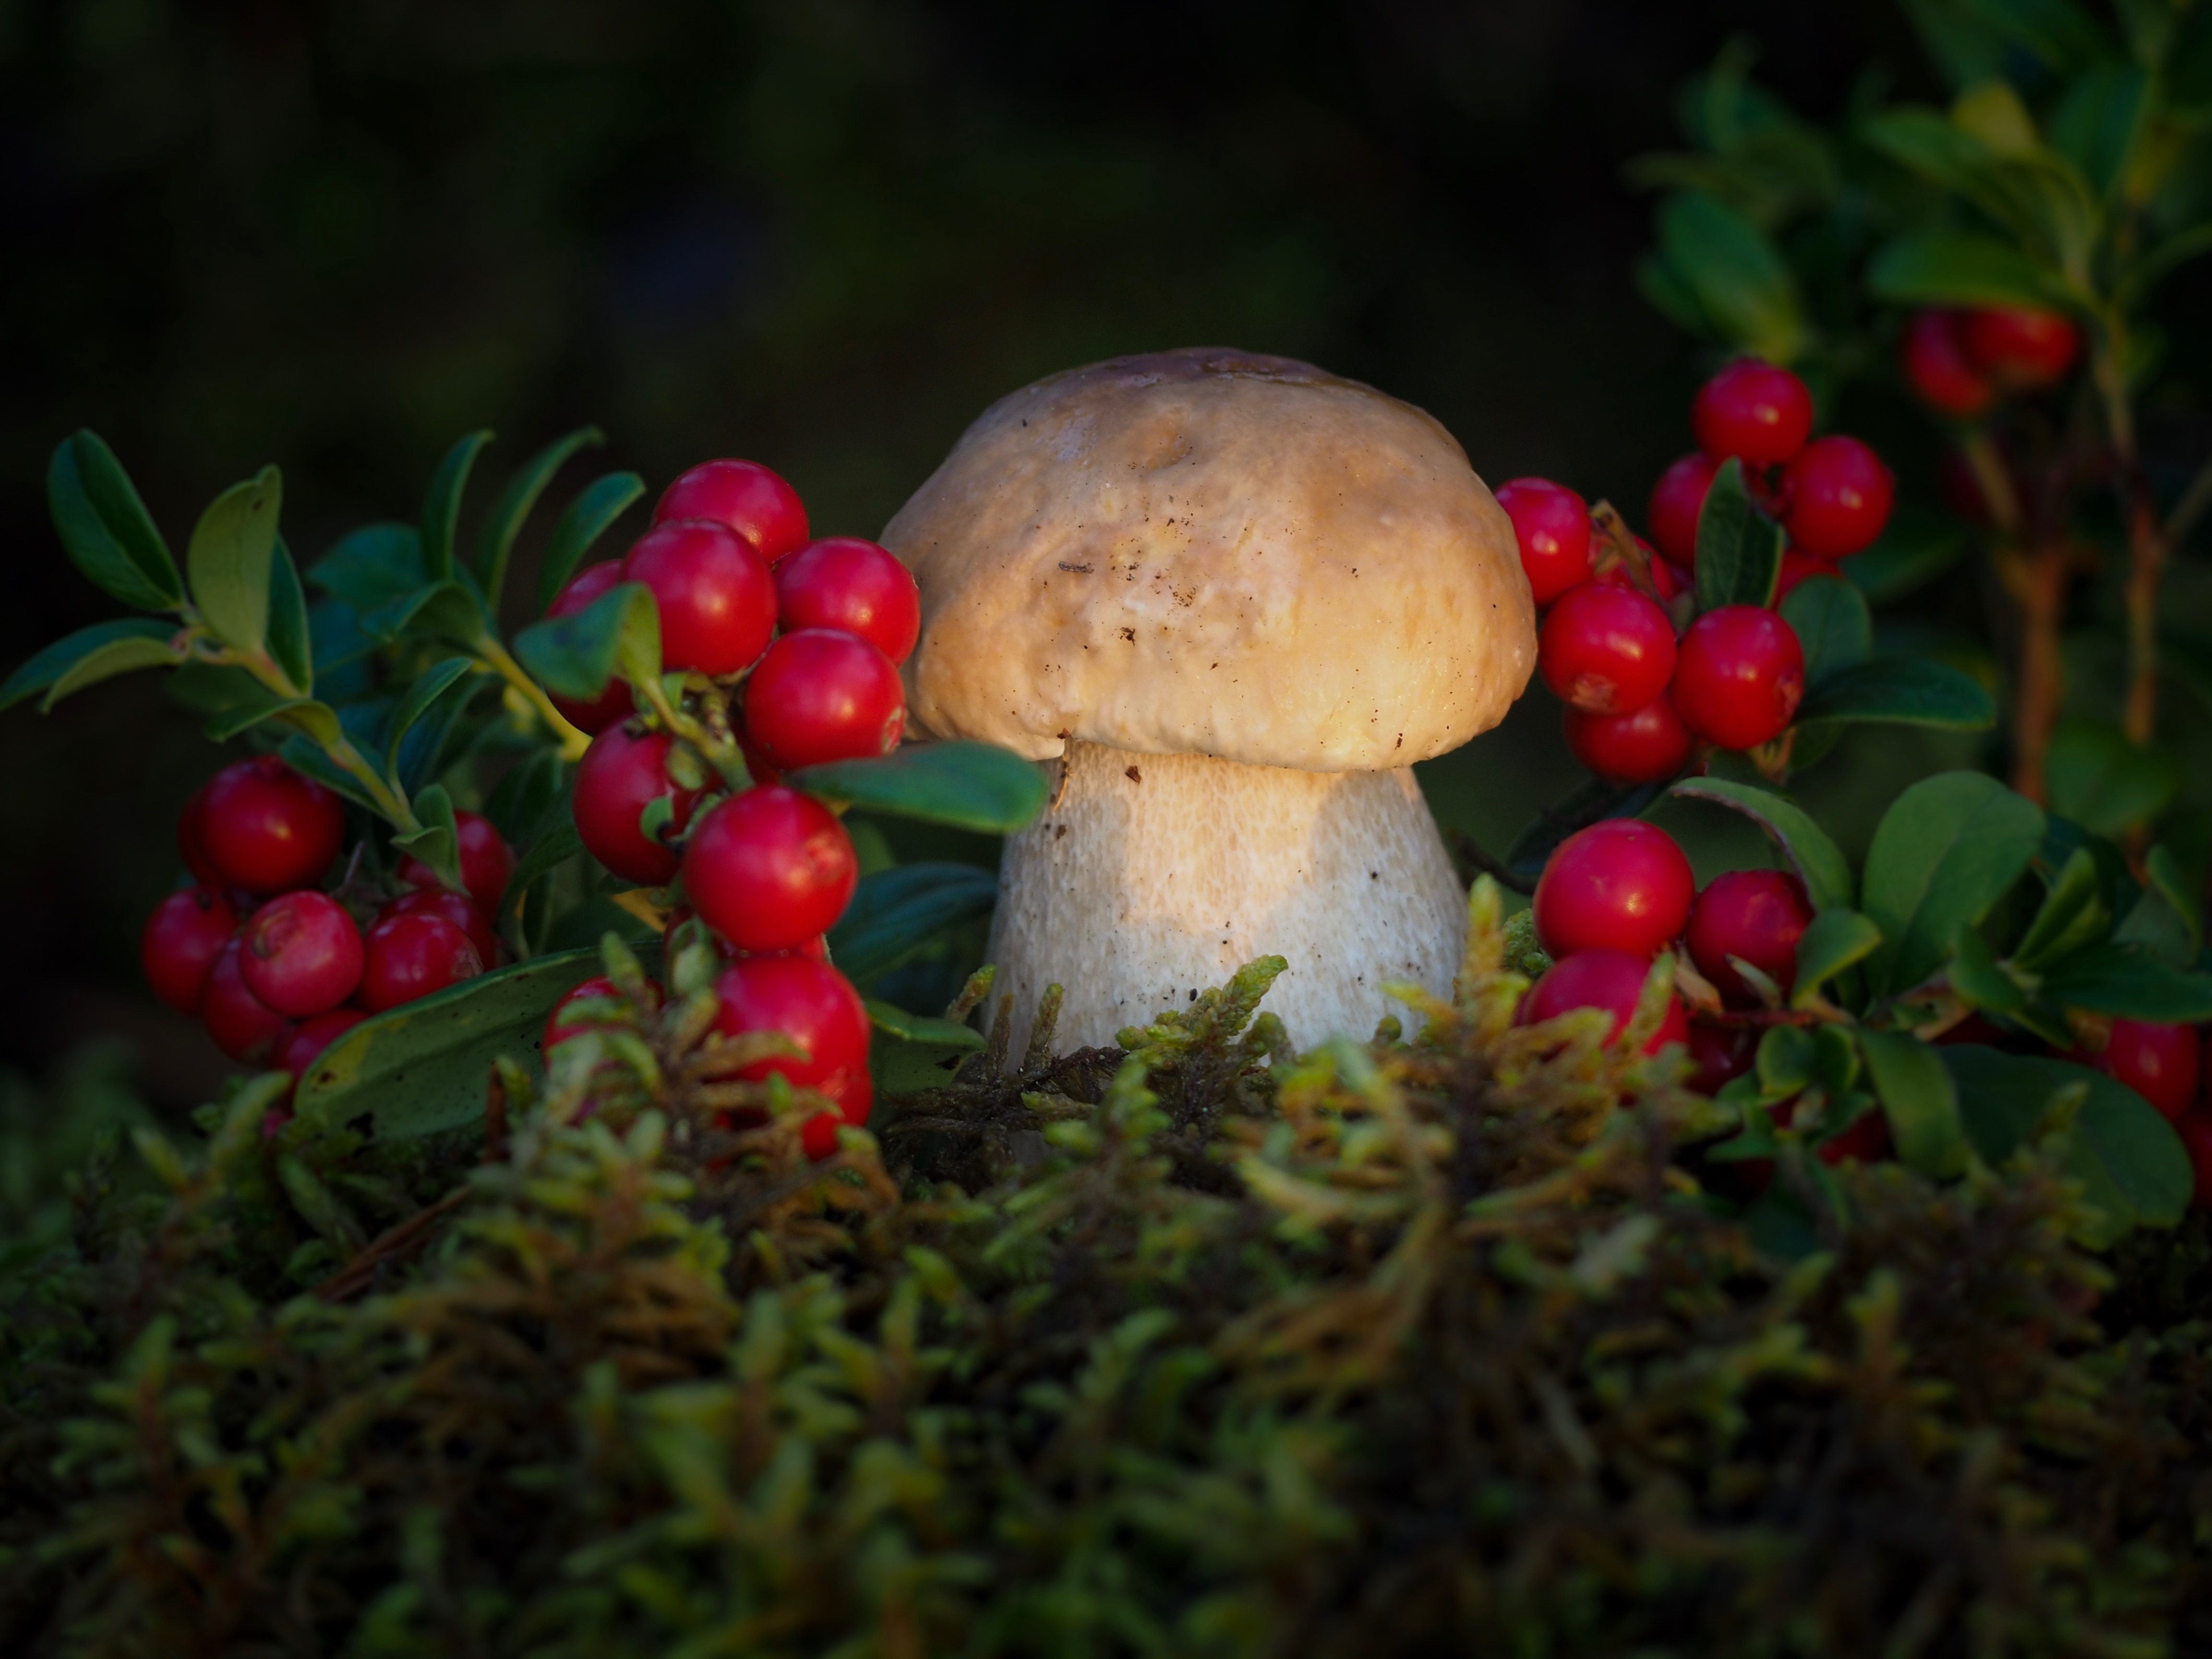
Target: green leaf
{"x": 2073, "y": 915}
{"x": 2129, "y": 1160}
{"x": 2058, "y": 32}
{"x": 1993, "y": 112}
{"x": 972, "y": 786}
{"x": 1901, "y": 691}
{"x": 1818, "y": 862}
{"x": 446, "y": 611}
{"x": 115, "y": 657}
{"x": 288, "y": 646}
{"x": 1738, "y": 278}
{"x": 556, "y": 843}
{"x": 587, "y": 517}
{"x": 2100, "y": 120}
{"x": 576, "y": 656}
{"x": 1836, "y": 940}
{"x": 317, "y": 719}
{"x": 421, "y": 1068}
{"x": 1919, "y": 1100}
{"x": 2105, "y": 783}
{"x": 441, "y": 506}
{"x": 437, "y": 842}
{"x": 231, "y": 548}
{"x": 1830, "y": 620}
{"x": 496, "y": 540}
{"x": 47, "y": 666}
{"x": 1785, "y": 1062}
{"x": 430, "y": 686}
{"x": 1945, "y": 852}
{"x": 303, "y": 755}
{"x": 1953, "y": 268}
{"x": 106, "y": 529}
{"x": 1909, "y": 556}
{"x": 1980, "y": 981}
{"x": 372, "y": 567}
{"x": 911, "y": 1054}
{"x": 2168, "y": 921}
{"x": 1739, "y": 548}
{"x": 921, "y": 1028}
{"x": 896, "y": 913}
{"x": 2129, "y": 982}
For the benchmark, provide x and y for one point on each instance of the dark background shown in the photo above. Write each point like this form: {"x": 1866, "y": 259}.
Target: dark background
{"x": 822, "y": 234}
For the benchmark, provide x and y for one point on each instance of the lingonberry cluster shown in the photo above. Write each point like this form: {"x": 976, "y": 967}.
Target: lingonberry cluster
{"x": 1961, "y": 363}
{"x": 788, "y": 650}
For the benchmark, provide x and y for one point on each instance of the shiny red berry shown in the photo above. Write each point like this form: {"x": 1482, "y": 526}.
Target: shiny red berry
{"x": 2159, "y": 1062}
{"x": 854, "y": 586}
{"x": 1647, "y": 745}
{"x": 769, "y": 869}
{"x": 1676, "y": 501}
{"x": 2019, "y": 346}
{"x": 1718, "y": 1055}
{"x": 814, "y": 1005}
{"x": 1605, "y": 649}
{"x": 1800, "y": 566}
{"x": 1611, "y": 980}
{"x": 266, "y": 828}
{"x": 1754, "y": 411}
{"x": 487, "y": 861}
{"x": 464, "y": 912}
{"x": 182, "y": 938}
{"x": 616, "y": 702}
{"x": 1622, "y": 885}
{"x": 243, "y": 1026}
{"x": 716, "y": 597}
{"x": 820, "y": 696}
{"x": 1840, "y": 497}
{"x": 311, "y": 1037}
{"x": 410, "y": 957}
{"x": 1758, "y": 916}
{"x": 618, "y": 777}
{"x": 1740, "y": 676}
{"x": 2195, "y": 1131}
{"x": 745, "y": 496}
{"x": 1551, "y": 525}
{"x": 559, "y": 1027}
{"x": 1938, "y": 370}
{"x": 302, "y": 954}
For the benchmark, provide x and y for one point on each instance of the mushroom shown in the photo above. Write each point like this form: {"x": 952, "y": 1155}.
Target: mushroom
{"x": 1235, "y": 598}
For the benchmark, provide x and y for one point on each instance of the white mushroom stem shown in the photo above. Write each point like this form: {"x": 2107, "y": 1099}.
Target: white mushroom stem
{"x": 1153, "y": 877}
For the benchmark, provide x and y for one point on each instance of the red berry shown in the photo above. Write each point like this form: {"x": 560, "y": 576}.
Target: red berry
{"x": 1938, "y": 368}
{"x": 769, "y": 869}
{"x": 1718, "y": 1055}
{"x": 745, "y": 496}
{"x": 2019, "y": 346}
{"x": 302, "y": 954}
{"x": 618, "y": 778}
{"x": 854, "y": 587}
{"x": 1754, "y": 411}
{"x": 1756, "y": 914}
{"x": 311, "y": 1037}
{"x": 266, "y": 828}
{"x": 183, "y": 937}
{"x": 1605, "y": 649}
{"x": 1620, "y": 885}
{"x": 487, "y": 861}
{"x": 558, "y": 1029}
{"x": 1611, "y": 980}
{"x": 188, "y": 842}
{"x": 243, "y": 1026}
{"x": 813, "y": 1004}
{"x": 1840, "y": 497}
{"x": 1647, "y": 745}
{"x": 1740, "y": 675}
{"x": 1800, "y": 566}
{"x": 2196, "y": 1129}
{"x": 717, "y": 599}
{"x": 1551, "y": 525}
{"x": 819, "y": 695}
{"x": 1676, "y": 501}
{"x": 410, "y": 957}
{"x": 458, "y": 908}
{"x": 616, "y": 702}
{"x": 2159, "y": 1062}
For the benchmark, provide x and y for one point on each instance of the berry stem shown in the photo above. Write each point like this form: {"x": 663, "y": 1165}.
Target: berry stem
{"x": 2146, "y": 543}
{"x": 719, "y": 749}
{"x": 574, "y": 741}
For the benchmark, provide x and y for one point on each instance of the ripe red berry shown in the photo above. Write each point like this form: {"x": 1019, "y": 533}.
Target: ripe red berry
{"x": 266, "y": 828}
{"x": 745, "y": 496}
{"x": 243, "y": 1026}
{"x": 2195, "y": 1131}
{"x": 1718, "y": 1055}
{"x": 1605, "y": 649}
{"x": 819, "y": 695}
{"x": 302, "y": 954}
{"x": 1621, "y": 886}
{"x": 559, "y": 1028}
{"x": 1676, "y": 501}
{"x": 616, "y": 702}
{"x": 1756, "y": 914}
{"x": 1937, "y": 368}
{"x": 1646, "y": 745}
{"x": 769, "y": 869}
{"x": 1754, "y": 411}
{"x": 1800, "y": 567}
{"x": 618, "y": 778}
{"x": 1740, "y": 676}
{"x": 487, "y": 861}
{"x": 854, "y": 587}
{"x": 717, "y": 599}
{"x": 1611, "y": 980}
{"x": 2019, "y": 346}
{"x": 1840, "y": 497}
{"x": 2159, "y": 1062}
{"x": 814, "y": 1005}
{"x": 464, "y": 912}
{"x": 1551, "y": 525}
{"x": 410, "y": 957}
{"x": 311, "y": 1037}
{"x": 183, "y": 937}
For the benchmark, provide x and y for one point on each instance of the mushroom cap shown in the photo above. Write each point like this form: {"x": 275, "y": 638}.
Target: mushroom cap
{"x": 1206, "y": 551}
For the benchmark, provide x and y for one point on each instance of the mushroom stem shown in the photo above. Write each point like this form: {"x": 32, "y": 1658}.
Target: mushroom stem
{"x": 1153, "y": 876}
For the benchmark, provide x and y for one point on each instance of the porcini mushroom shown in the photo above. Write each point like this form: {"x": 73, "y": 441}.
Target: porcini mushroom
{"x": 1236, "y": 597}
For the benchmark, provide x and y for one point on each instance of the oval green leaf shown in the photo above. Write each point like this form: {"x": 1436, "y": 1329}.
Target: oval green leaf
{"x": 586, "y": 519}
{"x": 577, "y": 656}
{"x": 231, "y": 548}
{"x": 1837, "y": 939}
{"x": 1943, "y": 853}
{"x": 1818, "y": 862}
{"x": 897, "y": 912}
{"x": 441, "y": 506}
{"x": 50, "y": 664}
{"x": 372, "y": 567}
{"x": 1903, "y": 692}
{"x": 2129, "y": 982}
{"x": 290, "y": 645}
{"x": 1832, "y": 623}
{"x": 1952, "y": 268}
{"x": 106, "y": 529}
{"x": 972, "y": 786}
{"x": 1739, "y": 548}
{"x": 496, "y": 541}
{"x": 1920, "y": 1101}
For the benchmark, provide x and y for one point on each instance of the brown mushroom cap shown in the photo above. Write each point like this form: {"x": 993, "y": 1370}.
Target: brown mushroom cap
{"x": 1206, "y": 551}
